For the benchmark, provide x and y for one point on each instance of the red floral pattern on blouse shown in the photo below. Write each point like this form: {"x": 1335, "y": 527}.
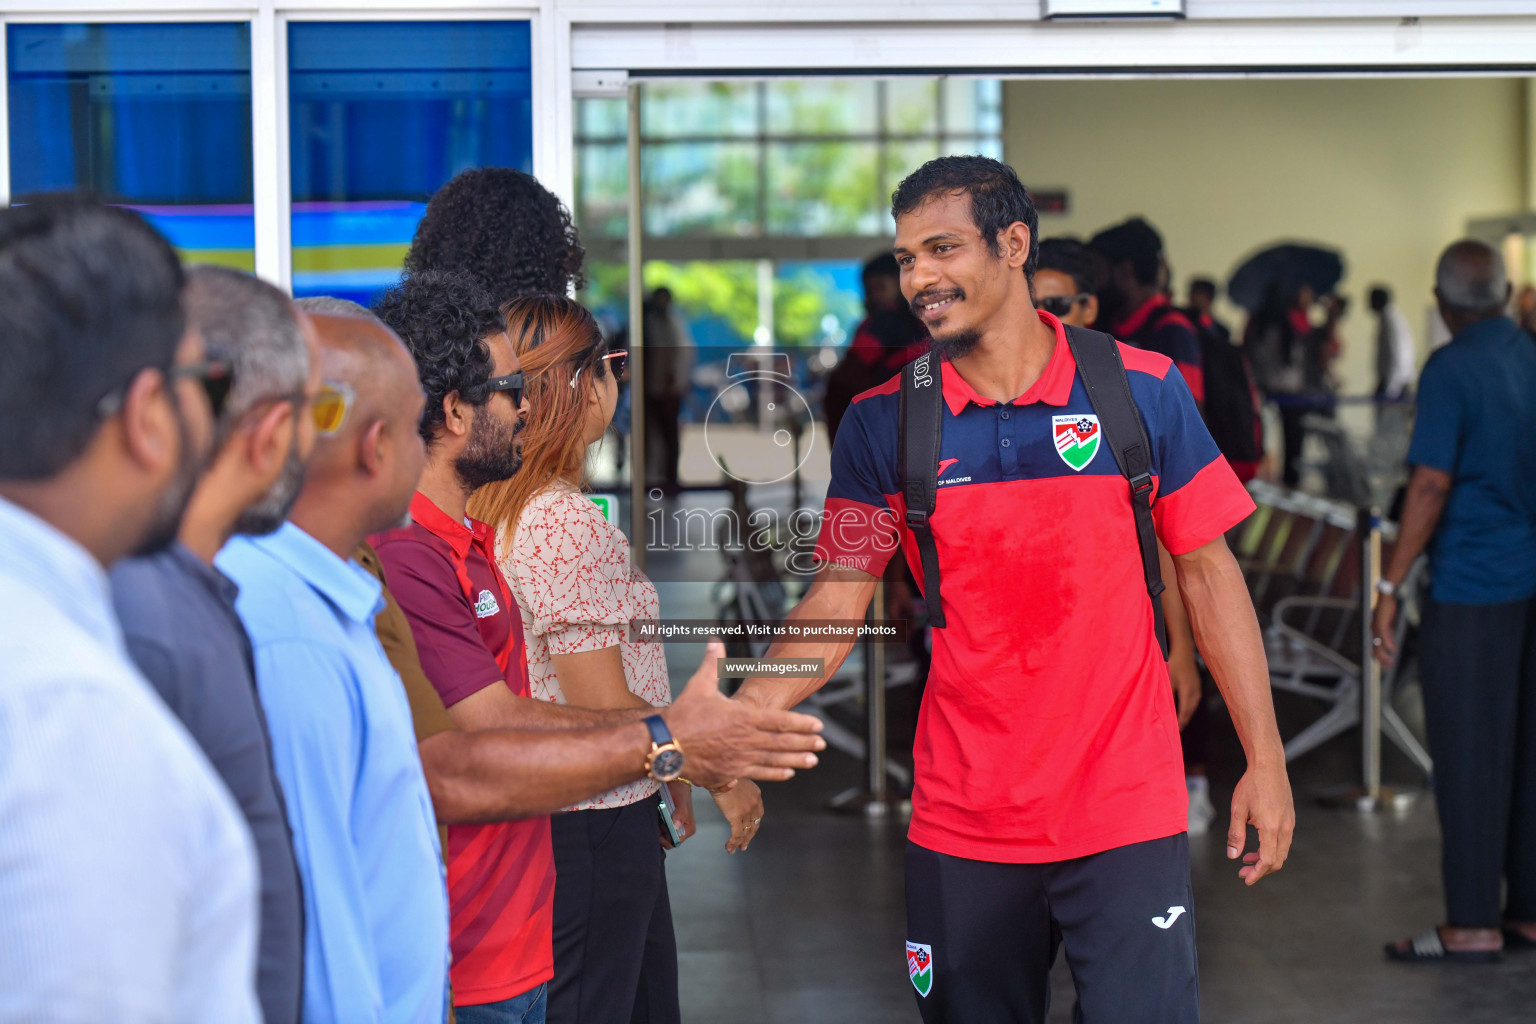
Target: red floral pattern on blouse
{"x": 570, "y": 571}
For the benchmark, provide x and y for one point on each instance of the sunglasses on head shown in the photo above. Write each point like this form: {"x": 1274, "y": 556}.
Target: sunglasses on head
{"x": 617, "y": 362}
{"x": 1060, "y": 305}
{"x": 512, "y": 384}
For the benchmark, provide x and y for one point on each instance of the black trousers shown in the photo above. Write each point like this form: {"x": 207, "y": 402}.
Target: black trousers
{"x": 990, "y": 933}
{"x": 1478, "y": 665}
{"x": 615, "y": 953}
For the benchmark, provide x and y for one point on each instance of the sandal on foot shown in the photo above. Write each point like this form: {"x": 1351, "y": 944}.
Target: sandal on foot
{"x": 1426, "y": 947}
{"x": 1514, "y": 938}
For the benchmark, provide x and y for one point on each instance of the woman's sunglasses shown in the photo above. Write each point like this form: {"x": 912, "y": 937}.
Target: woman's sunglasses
{"x": 618, "y": 362}
{"x": 1060, "y": 305}
{"x": 331, "y": 405}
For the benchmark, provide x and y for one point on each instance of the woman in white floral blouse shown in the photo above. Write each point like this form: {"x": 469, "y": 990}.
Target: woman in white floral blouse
{"x": 571, "y": 573}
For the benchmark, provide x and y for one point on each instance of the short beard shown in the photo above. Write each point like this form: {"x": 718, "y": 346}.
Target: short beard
{"x": 957, "y": 345}
{"x": 172, "y": 506}
{"x": 492, "y": 454}
{"x": 271, "y": 510}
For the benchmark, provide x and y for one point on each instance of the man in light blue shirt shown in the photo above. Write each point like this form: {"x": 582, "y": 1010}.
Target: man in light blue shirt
{"x": 375, "y": 900}
{"x": 127, "y": 876}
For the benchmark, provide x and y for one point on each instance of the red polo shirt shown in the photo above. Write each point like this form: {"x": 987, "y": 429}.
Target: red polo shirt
{"x": 469, "y": 635}
{"x": 1048, "y": 729}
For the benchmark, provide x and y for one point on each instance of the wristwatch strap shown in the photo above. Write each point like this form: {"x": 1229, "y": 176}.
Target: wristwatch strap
{"x": 660, "y": 734}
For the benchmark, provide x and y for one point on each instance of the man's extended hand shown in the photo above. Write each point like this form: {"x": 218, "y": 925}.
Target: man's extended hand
{"x": 726, "y": 739}
{"x": 743, "y": 809}
{"x": 1262, "y": 799}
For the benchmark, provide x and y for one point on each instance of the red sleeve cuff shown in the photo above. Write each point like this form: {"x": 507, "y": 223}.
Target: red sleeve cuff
{"x": 1202, "y": 510}
{"x": 857, "y": 536}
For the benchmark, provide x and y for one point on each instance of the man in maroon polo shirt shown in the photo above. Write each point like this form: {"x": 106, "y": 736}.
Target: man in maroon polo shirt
{"x": 1049, "y": 804}
{"x": 1133, "y": 306}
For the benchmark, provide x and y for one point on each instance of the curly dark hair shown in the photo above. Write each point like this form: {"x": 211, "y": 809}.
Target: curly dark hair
{"x": 503, "y": 227}
{"x": 1071, "y": 257}
{"x": 998, "y": 198}
{"x": 444, "y": 318}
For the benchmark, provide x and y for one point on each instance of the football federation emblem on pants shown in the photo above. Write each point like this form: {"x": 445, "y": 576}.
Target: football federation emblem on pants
{"x": 920, "y": 967}
{"x": 1077, "y": 439}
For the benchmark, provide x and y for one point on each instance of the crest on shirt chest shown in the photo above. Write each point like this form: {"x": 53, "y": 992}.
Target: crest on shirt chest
{"x": 1077, "y": 439}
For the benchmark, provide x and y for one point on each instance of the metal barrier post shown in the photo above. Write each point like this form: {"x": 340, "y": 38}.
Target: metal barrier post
{"x": 872, "y": 799}
{"x": 1370, "y": 671}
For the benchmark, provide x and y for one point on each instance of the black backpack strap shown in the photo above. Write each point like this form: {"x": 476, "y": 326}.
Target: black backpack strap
{"x": 920, "y": 427}
{"x": 1103, "y": 374}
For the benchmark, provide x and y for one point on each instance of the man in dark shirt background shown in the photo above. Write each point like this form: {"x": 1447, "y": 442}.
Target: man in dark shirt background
{"x": 178, "y": 611}
{"x": 1471, "y": 503}
{"x": 888, "y": 338}
{"x": 1133, "y": 306}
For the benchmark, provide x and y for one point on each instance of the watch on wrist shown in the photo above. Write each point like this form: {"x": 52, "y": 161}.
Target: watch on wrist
{"x": 1386, "y": 588}
{"x": 665, "y": 761}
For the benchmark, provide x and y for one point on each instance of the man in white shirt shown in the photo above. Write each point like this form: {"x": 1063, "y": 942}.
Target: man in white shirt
{"x": 1396, "y": 350}
{"x": 127, "y": 877}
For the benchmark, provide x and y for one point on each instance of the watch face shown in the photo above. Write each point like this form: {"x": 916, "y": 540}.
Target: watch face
{"x": 667, "y": 764}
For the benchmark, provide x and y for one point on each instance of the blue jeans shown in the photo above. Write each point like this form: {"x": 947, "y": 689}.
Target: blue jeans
{"x": 527, "y": 1008}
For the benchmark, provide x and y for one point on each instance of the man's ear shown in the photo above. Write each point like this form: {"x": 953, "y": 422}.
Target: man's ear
{"x": 372, "y": 448}
{"x": 270, "y": 438}
{"x": 1016, "y": 240}
{"x": 150, "y": 432}
{"x": 458, "y": 415}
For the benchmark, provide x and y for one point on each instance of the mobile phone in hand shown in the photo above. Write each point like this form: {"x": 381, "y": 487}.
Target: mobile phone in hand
{"x": 668, "y": 810}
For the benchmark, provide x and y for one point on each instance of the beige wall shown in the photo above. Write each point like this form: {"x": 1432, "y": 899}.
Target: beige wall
{"x": 1386, "y": 170}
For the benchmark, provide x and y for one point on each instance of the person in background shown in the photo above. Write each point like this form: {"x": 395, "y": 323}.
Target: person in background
{"x": 577, "y": 591}
{"x": 1396, "y": 350}
{"x": 1133, "y": 306}
{"x": 375, "y": 909}
{"x": 1471, "y": 504}
{"x": 129, "y": 890}
{"x": 1276, "y": 339}
{"x": 888, "y": 338}
{"x": 1202, "y": 302}
{"x": 669, "y": 359}
{"x": 503, "y": 228}
{"x": 178, "y": 611}
{"x": 1066, "y": 284}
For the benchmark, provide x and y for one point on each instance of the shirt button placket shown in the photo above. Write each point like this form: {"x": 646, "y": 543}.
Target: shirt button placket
{"x": 1007, "y": 448}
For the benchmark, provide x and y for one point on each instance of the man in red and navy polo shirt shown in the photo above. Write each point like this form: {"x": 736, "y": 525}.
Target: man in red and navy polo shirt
{"x": 1049, "y": 803}
{"x": 1133, "y": 307}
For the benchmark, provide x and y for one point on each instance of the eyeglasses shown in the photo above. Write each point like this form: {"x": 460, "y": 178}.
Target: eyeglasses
{"x": 215, "y": 374}
{"x": 512, "y": 384}
{"x": 331, "y": 405}
{"x": 620, "y": 363}
{"x": 1060, "y": 305}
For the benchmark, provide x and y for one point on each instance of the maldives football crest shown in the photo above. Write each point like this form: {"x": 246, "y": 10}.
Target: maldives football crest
{"x": 920, "y": 967}
{"x": 1077, "y": 439}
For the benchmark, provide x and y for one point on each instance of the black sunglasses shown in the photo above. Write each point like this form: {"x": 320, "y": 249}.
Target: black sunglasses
{"x": 1060, "y": 305}
{"x": 512, "y": 384}
{"x": 215, "y": 374}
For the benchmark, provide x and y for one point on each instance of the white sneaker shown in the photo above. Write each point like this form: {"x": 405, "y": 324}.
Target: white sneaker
{"x": 1201, "y": 811}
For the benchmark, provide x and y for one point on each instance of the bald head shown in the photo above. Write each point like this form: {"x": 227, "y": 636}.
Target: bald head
{"x": 366, "y": 355}
{"x": 1470, "y": 281}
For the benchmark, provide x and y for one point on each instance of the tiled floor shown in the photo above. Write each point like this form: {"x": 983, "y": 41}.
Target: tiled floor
{"x": 807, "y": 926}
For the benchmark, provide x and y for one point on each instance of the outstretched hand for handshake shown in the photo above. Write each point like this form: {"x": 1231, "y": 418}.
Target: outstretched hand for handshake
{"x": 725, "y": 739}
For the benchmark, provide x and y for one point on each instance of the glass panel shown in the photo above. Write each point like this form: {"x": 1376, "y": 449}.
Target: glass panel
{"x": 824, "y": 188}
{"x": 605, "y": 118}
{"x": 911, "y": 106}
{"x": 817, "y": 303}
{"x": 602, "y": 189}
{"x": 156, "y": 117}
{"x": 382, "y": 115}
{"x": 972, "y": 107}
{"x": 701, "y": 187}
{"x": 708, "y": 109}
{"x": 822, "y": 108}
{"x": 901, "y": 159}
